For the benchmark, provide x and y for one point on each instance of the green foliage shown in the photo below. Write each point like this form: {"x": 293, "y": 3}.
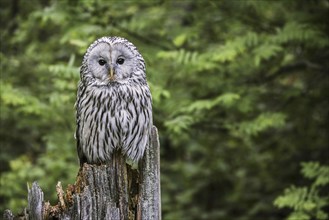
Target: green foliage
{"x": 308, "y": 202}
{"x": 262, "y": 122}
{"x": 239, "y": 97}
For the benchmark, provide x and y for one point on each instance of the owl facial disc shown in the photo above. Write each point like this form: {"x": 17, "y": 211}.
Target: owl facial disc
{"x": 113, "y": 59}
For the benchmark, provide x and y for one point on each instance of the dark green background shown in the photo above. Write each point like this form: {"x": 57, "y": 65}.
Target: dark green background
{"x": 240, "y": 96}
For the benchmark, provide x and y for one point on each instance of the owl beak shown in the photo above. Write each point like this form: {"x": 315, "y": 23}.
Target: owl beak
{"x": 111, "y": 74}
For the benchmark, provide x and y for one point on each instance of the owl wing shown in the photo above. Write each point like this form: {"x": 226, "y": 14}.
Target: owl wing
{"x": 80, "y": 94}
{"x": 139, "y": 128}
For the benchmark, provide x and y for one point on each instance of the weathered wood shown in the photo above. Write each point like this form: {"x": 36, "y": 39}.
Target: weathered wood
{"x": 149, "y": 205}
{"x": 8, "y": 215}
{"x": 35, "y": 200}
{"x": 101, "y": 191}
{"x": 110, "y": 191}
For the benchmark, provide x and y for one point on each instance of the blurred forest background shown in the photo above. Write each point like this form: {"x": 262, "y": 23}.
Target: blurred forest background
{"x": 240, "y": 96}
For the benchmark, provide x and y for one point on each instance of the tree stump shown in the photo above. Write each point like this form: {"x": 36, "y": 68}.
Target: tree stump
{"x": 113, "y": 191}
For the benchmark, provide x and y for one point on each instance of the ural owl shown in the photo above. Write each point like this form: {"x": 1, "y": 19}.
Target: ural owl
{"x": 113, "y": 107}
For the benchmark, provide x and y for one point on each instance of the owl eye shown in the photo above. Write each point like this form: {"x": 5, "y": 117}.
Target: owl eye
{"x": 101, "y": 62}
{"x": 120, "y": 61}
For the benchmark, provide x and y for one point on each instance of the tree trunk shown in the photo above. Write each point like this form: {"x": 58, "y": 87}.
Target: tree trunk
{"x": 113, "y": 191}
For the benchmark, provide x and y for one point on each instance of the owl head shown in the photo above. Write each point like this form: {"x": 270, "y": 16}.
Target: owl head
{"x": 112, "y": 60}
